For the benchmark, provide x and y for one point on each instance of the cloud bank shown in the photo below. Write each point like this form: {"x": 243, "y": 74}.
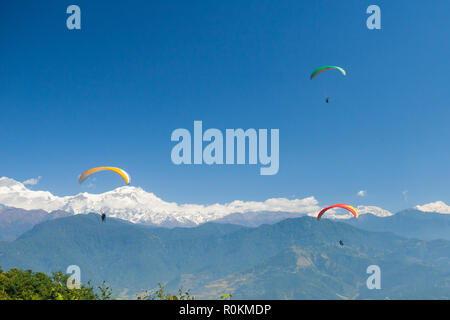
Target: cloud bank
{"x": 32, "y": 181}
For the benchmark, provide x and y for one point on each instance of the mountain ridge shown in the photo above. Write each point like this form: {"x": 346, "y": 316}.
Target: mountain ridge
{"x": 298, "y": 258}
{"x": 139, "y": 206}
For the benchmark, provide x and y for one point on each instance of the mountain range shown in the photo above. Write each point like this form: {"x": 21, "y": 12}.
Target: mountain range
{"x": 411, "y": 223}
{"x": 138, "y": 206}
{"x": 21, "y": 208}
{"x": 15, "y": 221}
{"x": 297, "y": 258}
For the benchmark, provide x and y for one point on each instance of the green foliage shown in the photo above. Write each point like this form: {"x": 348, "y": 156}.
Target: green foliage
{"x": 17, "y": 284}
{"x": 105, "y": 291}
{"x": 160, "y": 294}
{"x": 226, "y": 296}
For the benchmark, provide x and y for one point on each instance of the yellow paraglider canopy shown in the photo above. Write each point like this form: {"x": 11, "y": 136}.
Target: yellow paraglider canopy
{"x": 119, "y": 171}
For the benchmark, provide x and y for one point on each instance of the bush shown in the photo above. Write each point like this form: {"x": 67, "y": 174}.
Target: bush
{"x": 160, "y": 294}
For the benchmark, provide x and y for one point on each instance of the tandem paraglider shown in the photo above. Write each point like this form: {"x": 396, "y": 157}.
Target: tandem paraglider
{"x": 125, "y": 176}
{"x": 347, "y": 207}
{"x": 324, "y": 68}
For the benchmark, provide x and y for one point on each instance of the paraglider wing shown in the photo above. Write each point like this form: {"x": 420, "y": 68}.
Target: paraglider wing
{"x": 339, "y": 205}
{"x": 319, "y": 70}
{"x": 119, "y": 171}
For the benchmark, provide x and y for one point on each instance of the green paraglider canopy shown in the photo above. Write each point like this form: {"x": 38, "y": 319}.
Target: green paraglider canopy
{"x": 319, "y": 70}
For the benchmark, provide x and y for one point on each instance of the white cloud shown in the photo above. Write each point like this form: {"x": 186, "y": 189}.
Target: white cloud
{"x": 405, "y": 195}
{"x": 362, "y": 193}
{"x": 91, "y": 184}
{"x": 438, "y": 206}
{"x": 32, "y": 181}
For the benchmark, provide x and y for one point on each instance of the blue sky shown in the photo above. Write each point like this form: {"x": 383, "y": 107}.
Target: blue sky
{"x": 113, "y": 92}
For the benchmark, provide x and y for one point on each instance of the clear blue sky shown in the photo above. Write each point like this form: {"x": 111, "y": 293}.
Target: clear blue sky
{"x": 113, "y": 92}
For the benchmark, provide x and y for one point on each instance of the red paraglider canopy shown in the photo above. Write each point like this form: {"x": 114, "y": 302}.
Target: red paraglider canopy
{"x": 339, "y": 205}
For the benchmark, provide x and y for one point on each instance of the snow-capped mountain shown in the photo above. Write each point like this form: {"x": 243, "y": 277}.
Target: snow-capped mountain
{"x": 139, "y": 206}
{"x": 373, "y": 210}
{"x": 438, "y": 206}
{"x": 343, "y": 214}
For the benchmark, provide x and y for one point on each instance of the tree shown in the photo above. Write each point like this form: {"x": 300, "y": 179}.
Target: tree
{"x": 17, "y": 284}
